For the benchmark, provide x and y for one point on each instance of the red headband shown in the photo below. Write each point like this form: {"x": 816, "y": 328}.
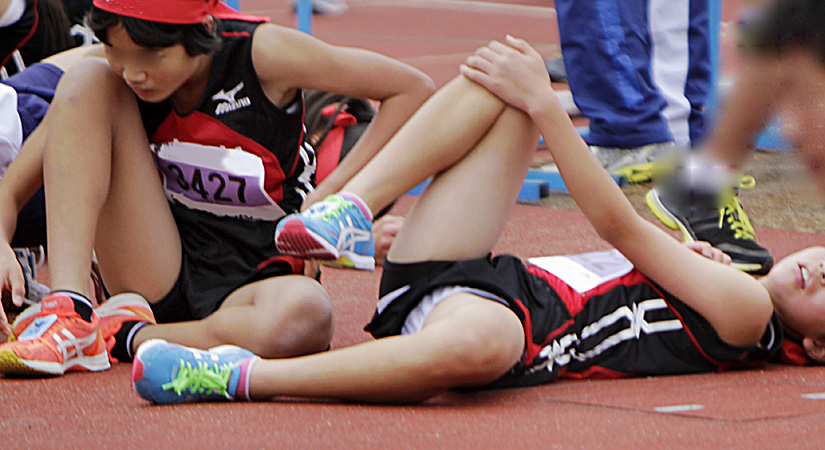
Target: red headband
{"x": 175, "y": 11}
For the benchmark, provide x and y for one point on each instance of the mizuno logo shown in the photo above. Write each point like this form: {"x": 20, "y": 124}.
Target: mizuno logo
{"x": 228, "y": 101}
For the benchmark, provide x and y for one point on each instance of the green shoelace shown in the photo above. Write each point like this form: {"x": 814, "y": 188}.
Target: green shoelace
{"x": 335, "y": 205}
{"x": 200, "y": 379}
{"x": 735, "y": 215}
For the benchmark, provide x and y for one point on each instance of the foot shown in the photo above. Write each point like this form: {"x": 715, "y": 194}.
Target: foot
{"x": 634, "y": 164}
{"x": 727, "y": 228}
{"x": 337, "y": 230}
{"x": 170, "y": 373}
{"x": 121, "y": 308}
{"x": 54, "y": 340}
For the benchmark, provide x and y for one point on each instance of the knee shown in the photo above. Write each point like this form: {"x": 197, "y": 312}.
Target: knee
{"x": 300, "y": 322}
{"x": 89, "y": 82}
{"x": 475, "y": 357}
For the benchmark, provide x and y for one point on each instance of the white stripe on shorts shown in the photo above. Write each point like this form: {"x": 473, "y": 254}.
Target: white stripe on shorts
{"x": 415, "y": 320}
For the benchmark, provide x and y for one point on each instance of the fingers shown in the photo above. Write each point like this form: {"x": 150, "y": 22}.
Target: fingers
{"x": 485, "y": 63}
{"x": 5, "y": 328}
{"x": 18, "y": 288}
{"x": 709, "y": 251}
{"x": 385, "y": 229}
{"x": 519, "y": 44}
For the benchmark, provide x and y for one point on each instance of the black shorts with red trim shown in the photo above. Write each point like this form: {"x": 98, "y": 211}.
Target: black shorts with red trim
{"x": 627, "y": 326}
{"x": 220, "y": 255}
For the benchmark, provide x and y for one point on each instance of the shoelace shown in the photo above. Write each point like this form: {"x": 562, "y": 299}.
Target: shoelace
{"x": 200, "y": 379}
{"x": 330, "y": 208}
{"x": 735, "y": 215}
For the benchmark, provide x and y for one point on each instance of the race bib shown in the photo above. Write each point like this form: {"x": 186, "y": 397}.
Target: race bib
{"x": 223, "y": 181}
{"x": 585, "y": 271}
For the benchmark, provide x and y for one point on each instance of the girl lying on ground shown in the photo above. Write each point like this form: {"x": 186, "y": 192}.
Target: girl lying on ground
{"x": 452, "y": 316}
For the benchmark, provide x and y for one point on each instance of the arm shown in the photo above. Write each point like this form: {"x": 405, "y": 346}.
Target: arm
{"x": 22, "y": 179}
{"x": 734, "y": 303}
{"x": 287, "y": 60}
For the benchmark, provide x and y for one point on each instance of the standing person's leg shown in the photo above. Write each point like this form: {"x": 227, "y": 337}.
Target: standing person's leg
{"x": 699, "y": 77}
{"x": 720, "y": 218}
{"x": 680, "y": 64}
{"x": 607, "y": 54}
{"x": 466, "y": 340}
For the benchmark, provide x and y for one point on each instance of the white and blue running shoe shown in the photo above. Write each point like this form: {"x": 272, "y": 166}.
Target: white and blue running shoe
{"x": 337, "y": 230}
{"x": 170, "y": 373}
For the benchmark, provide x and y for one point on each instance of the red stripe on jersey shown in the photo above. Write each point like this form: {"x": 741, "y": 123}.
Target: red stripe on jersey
{"x": 533, "y": 349}
{"x": 235, "y": 34}
{"x": 296, "y": 264}
{"x": 26, "y": 39}
{"x": 571, "y": 298}
{"x": 301, "y": 139}
{"x": 595, "y": 373}
{"x": 201, "y": 128}
{"x": 794, "y": 353}
{"x": 628, "y": 279}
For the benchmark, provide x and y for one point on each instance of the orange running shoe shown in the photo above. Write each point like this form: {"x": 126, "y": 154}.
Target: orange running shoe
{"x": 22, "y": 321}
{"x": 55, "y": 340}
{"x": 121, "y": 308}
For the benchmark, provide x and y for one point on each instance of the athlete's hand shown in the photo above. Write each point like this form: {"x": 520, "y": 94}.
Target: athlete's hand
{"x": 513, "y": 71}
{"x": 12, "y": 281}
{"x": 312, "y": 268}
{"x": 708, "y": 251}
{"x": 384, "y": 231}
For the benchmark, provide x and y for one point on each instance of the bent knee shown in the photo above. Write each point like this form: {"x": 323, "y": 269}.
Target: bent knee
{"x": 300, "y": 322}
{"x": 478, "y": 357}
{"x": 90, "y": 80}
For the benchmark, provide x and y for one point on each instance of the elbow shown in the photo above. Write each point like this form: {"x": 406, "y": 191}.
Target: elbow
{"x": 423, "y": 86}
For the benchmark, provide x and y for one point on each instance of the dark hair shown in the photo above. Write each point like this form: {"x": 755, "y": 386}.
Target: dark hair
{"x": 55, "y": 26}
{"x": 786, "y": 25}
{"x": 195, "y": 38}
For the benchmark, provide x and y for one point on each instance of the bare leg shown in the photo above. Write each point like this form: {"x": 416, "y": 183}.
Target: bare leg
{"x": 102, "y": 189}
{"x": 274, "y": 318}
{"x": 480, "y": 150}
{"x": 464, "y": 209}
{"x": 466, "y": 341}
{"x": 440, "y": 133}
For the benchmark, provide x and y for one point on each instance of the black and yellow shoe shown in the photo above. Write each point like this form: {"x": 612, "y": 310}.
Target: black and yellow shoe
{"x": 727, "y": 228}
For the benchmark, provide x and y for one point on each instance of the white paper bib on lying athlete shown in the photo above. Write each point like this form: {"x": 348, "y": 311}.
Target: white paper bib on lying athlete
{"x": 585, "y": 271}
